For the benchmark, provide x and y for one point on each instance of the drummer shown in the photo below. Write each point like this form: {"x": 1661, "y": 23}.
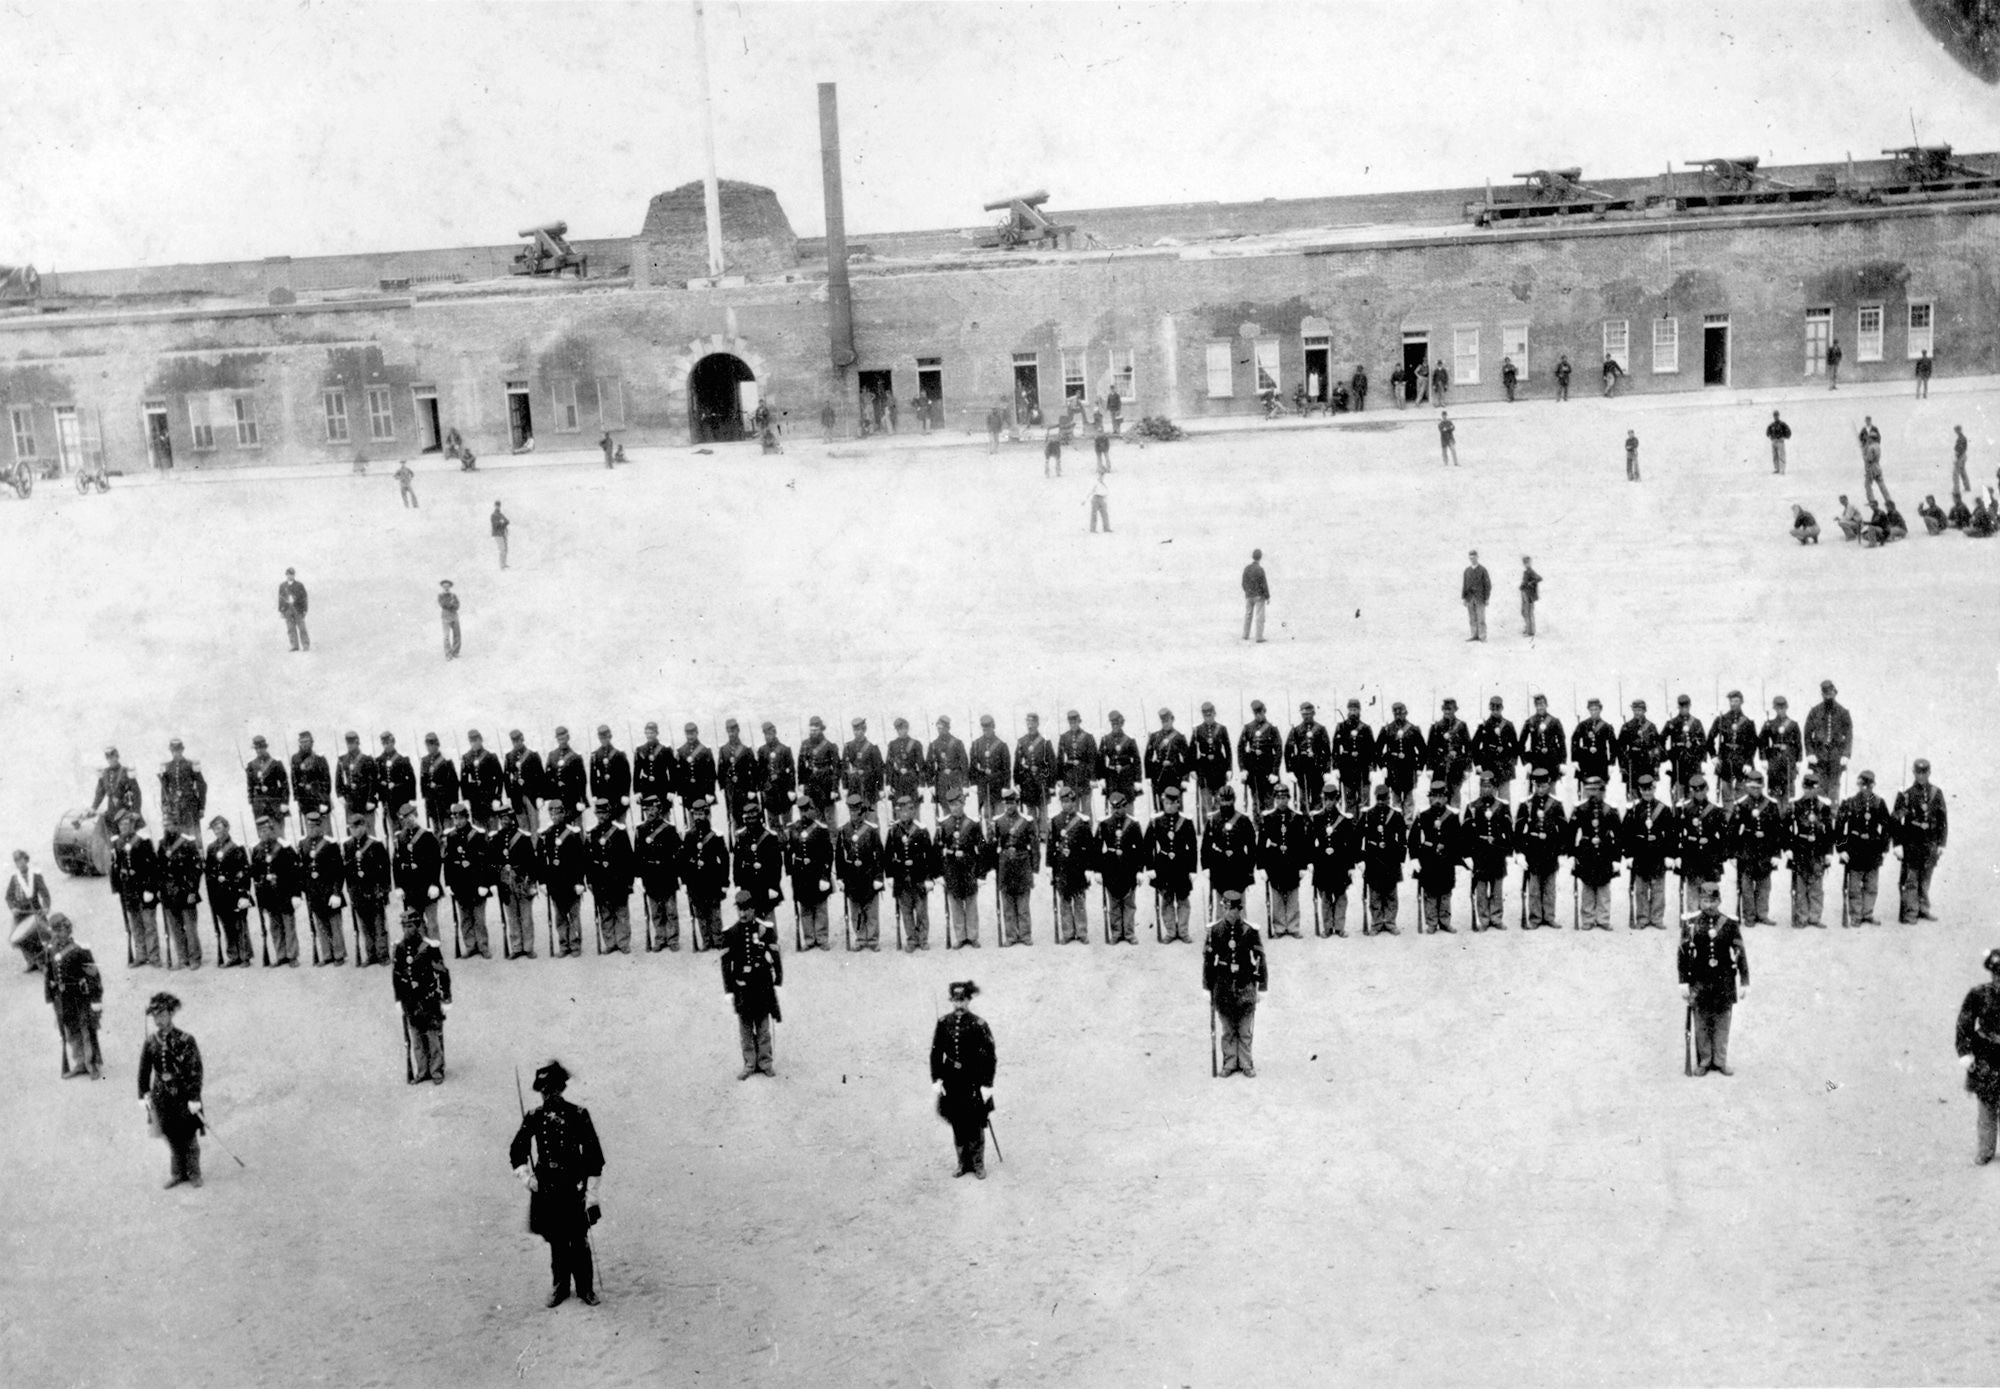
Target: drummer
{"x": 28, "y": 900}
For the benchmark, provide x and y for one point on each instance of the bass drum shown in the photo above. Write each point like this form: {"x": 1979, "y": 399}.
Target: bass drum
{"x": 82, "y": 849}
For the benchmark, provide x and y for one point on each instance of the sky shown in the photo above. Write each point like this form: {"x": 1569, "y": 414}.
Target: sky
{"x": 149, "y": 134}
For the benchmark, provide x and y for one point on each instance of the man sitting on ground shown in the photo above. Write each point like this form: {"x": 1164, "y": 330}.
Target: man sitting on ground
{"x": 1960, "y": 516}
{"x": 1931, "y": 515}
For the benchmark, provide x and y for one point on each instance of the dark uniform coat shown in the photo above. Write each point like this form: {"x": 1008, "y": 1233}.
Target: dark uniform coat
{"x": 752, "y": 969}
{"x": 1284, "y": 847}
{"x": 1353, "y": 750}
{"x": 780, "y": 773}
{"x": 227, "y": 869}
{"x": 267, "y": 786}
{"x": 566, "y": 778}
{"x": 1017, "y": 853}
{"x": 1309, "y": 755}
{"x": 1384, "y": 838}
{"x": 819, "y": 768}
{"x": 1118, "y": 762}
{"x": 1649, "y": 835}
{"x": 909, "y": 858}
{"x": 1685, "y": 745}
{"x": 805, "y": 852}
{"x": 1119, "y": 855}
{"x": 1260, "y": 751}
{"x": 482, "y": 782}
{"x": 1169, "y": 759}
{"x": 1756, "y": 835}
{"x": 1541, "y": 833}
{"x": 1213, "y": 760}
{"x": 1233, "y": 968}
{"x": 1712, "y": 960}
{"x": 1170, "y": 854}
{"x": 992, "y": 766}
{"x": 183, "y": 792}
{"x": 564, "y": 863}
{"x": 525, "y": 777}
{"x": 704, "y": 866}
{"x": 1782, "y": 749}
{"x": 1593, "y": 744}
{"x": 656, "y": 851}
{"x": 1702, "y": 841}
{"x": 1640, "y": 749}
{"x": 653, "y": 772}
{"x": 357, "y": 780}
{"x": 135, "y": 870}
{"x": 437, "y": 778}
{"x": 694, "y": 771}
{"x": 416, "y": 864}
{"x": 1978, "y": 1036}
{"x": 422, "y": 983}
{"x": 1437, "y": 844}
{"x": 180, "y": 870}
{"x": 1732, "y": 742}
{"x": 949, "y": 767}
{"x": 962, "y": 854}
{"x": 1863, "y": 830}
{"x": 1336, "y": 849}
{"x": 395, "y": 781}
{"x": 275, "y": 869}
{"x": 1448, "y": 750}
{"x": 1399, "y": 752}
{"x": 1543, "y": 744}
{"x": 170, "y": 1079}
{"x": 1594, "y": 842}
{"x": 1076, "y": 760}
{"x": 1496, "y": 747}
{"x": 366, "y": 869}
{"x": 1071, "y": 847}
{"x": 962, "y": 1057}
{"x": 857, "y": 859}
{"x": 1809, "y": 837}
{"x": 1229, "y": 851}
{"x": 562, "y": 1142}
{"x": 312, "y": 782}
{"x": 905, "y": 767}
{"x": 611, "y": 865}
{"x": 861, "y": 769}
{"x": 1489, "y": 838}
{"x": 757, "y": 864}
{"x": 1920, "y": 818}
{"x": 611, "y": 779}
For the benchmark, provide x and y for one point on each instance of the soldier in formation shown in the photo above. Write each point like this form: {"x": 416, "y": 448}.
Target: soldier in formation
{"x": 1714, "y": 972}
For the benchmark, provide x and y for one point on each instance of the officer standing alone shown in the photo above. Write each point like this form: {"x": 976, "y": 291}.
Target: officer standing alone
{"x": 1234, "y": 972}
{"x": 962, "y": 1068}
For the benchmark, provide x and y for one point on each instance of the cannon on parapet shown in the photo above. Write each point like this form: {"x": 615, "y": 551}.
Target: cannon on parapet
{"x": 548, "y": 252}
{"x": 1555, "y": 185}
{"x": 19, "y": 282}
{"x": 1025, "y": 222}
{"x": 1930, "y": 164}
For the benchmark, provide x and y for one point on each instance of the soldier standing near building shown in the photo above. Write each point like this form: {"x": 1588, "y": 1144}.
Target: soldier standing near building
{"x": 705, "y": 870}
{"x": 183, "y": 793}
{"x": 1284, "y": 848}
{"x": 1810, "y": 839}
{"x": 991, "y": 770}
{"x": 566, "y": 777}
{"x": 1593, "y": 744}
{"x": 1732, "y": 743}
{"x": 1563, "y": 370}
{"x": 1357, "y": 386}
{"x": 656, "y": 849}
{"x": 564, "y": 864}
{"x": 1685, "y": 744}
{"x": 1447, "y": 433}
{"x": 653, "y": 769}
{"x": 292, "y": 604}
{"x": 806, "y": 853}
{"x": 1757, "y": 839}
{"x": 1034, "y": 773}
{"x": 608, "y": 850}
{"x": 1233, "y": 973}
{"x": 1260, "y": 753}
{"x": 448, "y": 606}
{"x": 1171, "y": 860}
{"x": 1977, "y": 1040}
{"x": 1308, "y": 755}
{"x": 1384, "y": 845}
{"x": 962, "y": 1067}
{"x": 72, "y": 986}
{"x": 752, "y": 971}
{"x": 1213, "y": 761}
{"x": 1256, "y": 596}
{"x": 482, "y": 781}
{"x": 466, "y": 875}
{"x": 1777, "y": 431}
{"x": 1437, "y": 845}
{"x": 522, "y": 774}
{"x": 556, "y": 1156}
{"x": 1475, "y": 590}
{"x": 1780, "y": 745}
{"x": 1702, "y": 841}
{"x": 227, "y": 870}
{"x": 422, "y": 985}
{"x": 1594, "y": 833}
{"x": 1167, "y": 759}
{"x": 312, "y": 779}
{"x": 437, "y": 780}
{"x": 265, "y": 782}
{"x": 170, "y": 1090}
{"x": 135, "y": 881}
{"x": 518, "y": 865}
{"x": 1017, "y": 858}
{"x": 819, "y": 766}
{"x": 1119, "y": 856}
{"x": 1336, "y": 850}
{"x": 180, "y": 898}
{"x": 1920, "y": 820}
{"x": 695, "y": 777}
{"x": 1400, "y": 753}
{"x": 910, "y": 862}
{"x": 1510, "y": 376}
{"x": 1648, "y": 835}
{"x": 610, "y": 778}
{"x": 857, "y": 862}
{"x": 1496, "y": 749}
{"x": 405, "y": 477}
{"x": 1544, "y": 747}
{"x": 1862, "y": 834}
{"x": 355, "y": 778}
{"x": 737, "y": 769}
{"x": 861, "y": 768}
{"x": 395, "y": 783}
{"x": 1714, "y": 968}
{"x": 1541, "y": 835}
{"x": 1448, "y": 751}
{"x": 274, "y": 869}
{"x": 1076, "y": 762}
{"x": 498, "y": 524}
{"x": 1960, "y": 482}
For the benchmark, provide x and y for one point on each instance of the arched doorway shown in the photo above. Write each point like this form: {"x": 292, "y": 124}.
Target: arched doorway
{"x": 722, "y": 395}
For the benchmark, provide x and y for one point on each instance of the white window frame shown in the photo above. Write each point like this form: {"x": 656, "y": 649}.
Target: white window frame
{"x": 1075, "y": 373}
{"x": 1465, "y": 355}
{"x": 334, "y": 405}
{"x": 562, "y": 400}
{"x": 1221, "y": 369}
{"x": 201, "y": 423}
{"x": 1666, "y": 346}
{"x": 1125, "y": 377}
{"x": 381, "y": 415}
{"x": 1618, "y": 343}
{"x": 22, "y": 417}
{"x": 1923, "y": 338}
{"x": 1514, "y": 344}
{"x": 245, "y": 411}
{"x": 1816, "y": 365}
{"x": 1867, "y": 346}
{"x": 611, "y": 402}
{"x": 1269, "y": 359}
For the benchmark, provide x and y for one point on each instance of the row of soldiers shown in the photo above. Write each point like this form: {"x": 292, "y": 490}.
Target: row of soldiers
{"x": 770, "y": 774}
{"x": 501, "y": 861}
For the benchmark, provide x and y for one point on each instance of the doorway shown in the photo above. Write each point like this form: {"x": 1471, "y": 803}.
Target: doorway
{"x": 1819, "y": 329}
{"x": 876, "y": 389}
{"x": 1319, "y": 358}
{"x": 430, "y": 430}
{"x": 159, "y": 440}
{"x": 1715, "y": 350}
{"x": 520, "y": 414}
{"x": 930, "y": 383}
{"x": 715, "y": 398}
{"x": 1416, "y": 361}
{"x": 1027, "y": 389}
{"x": 69, "y": 438}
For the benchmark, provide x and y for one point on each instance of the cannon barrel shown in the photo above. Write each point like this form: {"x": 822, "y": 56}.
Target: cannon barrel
{"x": 552, "y": 228}
{"x": 1913, "y": 151}
{"x": 1746, "y": 162}
{"x": 1039, "y": 196}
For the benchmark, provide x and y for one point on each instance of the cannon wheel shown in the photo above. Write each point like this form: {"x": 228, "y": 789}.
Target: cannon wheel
{"x": 23, "y": 478}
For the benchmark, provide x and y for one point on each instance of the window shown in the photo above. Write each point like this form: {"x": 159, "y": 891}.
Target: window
{"x": 246, "y": 421}
{"x": 1514, "y": 345}
{"x": 1072, "y": 369}
{"x": 381, "y": 420}
{"x": 1868, "y": 334}
{"x": 1465, "y": 356}
{"x": 568, "y": 421}
{"x": 200, "y": 423}
{"x": 336, "y": 417}
{"x": 1920, "y": 331}
{"x": 1220, "y": 371}
{"x": 1819, "y": 329}
{"x": 24, "y": 431}
{"x": 1618, "y": 342}
{"x": 1267, "y": 364}
{"x": 1666, "y": 346}
{"x": 610, "y": 402}
{"x": 1123, "y": 376}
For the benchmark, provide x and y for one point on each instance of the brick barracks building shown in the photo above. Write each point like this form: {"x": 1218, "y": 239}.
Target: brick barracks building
{"x": 1725, "y": 276}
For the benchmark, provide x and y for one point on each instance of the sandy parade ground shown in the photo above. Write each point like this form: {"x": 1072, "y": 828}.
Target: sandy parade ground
{"x": 1465, "y": 1159}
